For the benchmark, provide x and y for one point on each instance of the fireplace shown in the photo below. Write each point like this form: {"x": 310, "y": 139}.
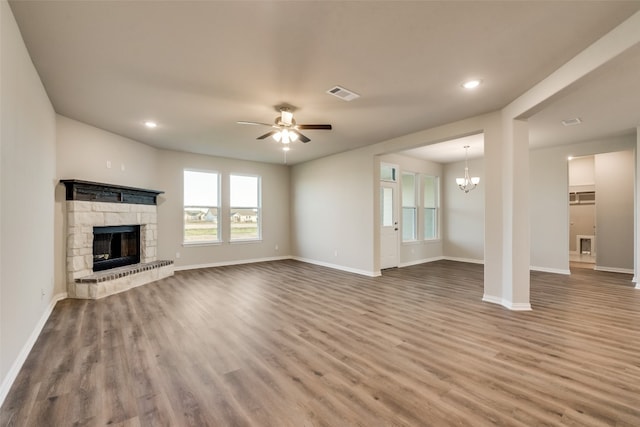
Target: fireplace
{"x": 115, "y": 246}
{"x": 111, "y": 242}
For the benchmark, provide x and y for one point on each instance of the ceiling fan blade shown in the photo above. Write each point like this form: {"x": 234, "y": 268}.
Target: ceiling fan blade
{"x": 266, "y": 135}
{"x": 244, "y": 122}
{"x": 302, "y": 138}
{"x": 315, "y": 127}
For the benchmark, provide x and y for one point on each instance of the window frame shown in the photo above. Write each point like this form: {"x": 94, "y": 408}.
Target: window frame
{"x": 414, "y": 207}
{"x": 436, "y": 207}
{"x": 219, "y": 227}
{"x": 257, "y": 208}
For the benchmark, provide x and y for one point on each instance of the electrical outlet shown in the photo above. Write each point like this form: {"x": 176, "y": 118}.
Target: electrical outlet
{"x": 335, "y": 252}
{"x": 177, "y": 255}
{"x": 108, "y": 164}
{"x": 42, "y": 293}
{"x": 277, "y": 247}
{"x": 122, "y": 168}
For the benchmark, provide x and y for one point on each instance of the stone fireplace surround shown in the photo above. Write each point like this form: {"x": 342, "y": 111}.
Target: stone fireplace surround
{"x": 91, "y": 205}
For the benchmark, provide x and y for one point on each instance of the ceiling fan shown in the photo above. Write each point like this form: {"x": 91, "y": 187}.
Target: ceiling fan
{"x": 286, "y": 130}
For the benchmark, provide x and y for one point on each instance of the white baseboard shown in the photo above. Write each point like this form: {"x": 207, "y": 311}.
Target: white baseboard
{"x": 469, "y": 260}
{"x": 26, "y": 349}
{"x": 514, "y": 306}
{"x": 339, "y": 267}
{"x": 420, "y": 261}
{"x": 280, "y": 258}
{"x": 550, "y": 270}
{"x": 613, "y": 269}
{"x": 225, "y": 263}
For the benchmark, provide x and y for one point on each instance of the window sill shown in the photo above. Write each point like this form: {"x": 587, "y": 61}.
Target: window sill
{"x": 207, "y": 243}
{"x": 233, "y": 242}
{"x": 411, "y": 242}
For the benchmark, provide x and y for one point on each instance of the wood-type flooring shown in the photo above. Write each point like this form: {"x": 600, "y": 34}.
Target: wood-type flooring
{"x": 292, "y": 344}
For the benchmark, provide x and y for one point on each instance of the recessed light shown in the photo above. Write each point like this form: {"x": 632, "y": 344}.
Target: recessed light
{"x": 471, "y": 84}
{"x": 150, "y": 124}
{"x": 572, "y": 122}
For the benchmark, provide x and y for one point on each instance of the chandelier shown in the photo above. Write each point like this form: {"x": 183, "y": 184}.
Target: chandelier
{"x": 467, "y": 184}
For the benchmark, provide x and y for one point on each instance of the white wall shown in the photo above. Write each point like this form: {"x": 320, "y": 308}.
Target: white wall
{"x": 582, "y": 172}
{"x": 332, "y": 211}
{"x": 549, "y": 199}
{"x": 463, "y": 219}
{"x": 27, "y": 181}
{"x": 421, "y": 250}
{"x": 275, "y": 211}
{"x": 615, "y": 175}
{"x": 83, "y": 151}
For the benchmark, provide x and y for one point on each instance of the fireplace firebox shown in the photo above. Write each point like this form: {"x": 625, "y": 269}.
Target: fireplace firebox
{"x": 115, "y": 246}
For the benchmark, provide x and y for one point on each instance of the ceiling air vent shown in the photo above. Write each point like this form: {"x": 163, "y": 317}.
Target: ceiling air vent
{"x": 342, "y": 93}
{"x": 572, "y": 122}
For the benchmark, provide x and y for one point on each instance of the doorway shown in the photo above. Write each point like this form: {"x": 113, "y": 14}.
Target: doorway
{"x": 389, "y": 243}
{"x": 601, "y": 211}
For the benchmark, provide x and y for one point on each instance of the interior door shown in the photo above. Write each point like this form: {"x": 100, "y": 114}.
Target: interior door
{"x": 389, "y": 244}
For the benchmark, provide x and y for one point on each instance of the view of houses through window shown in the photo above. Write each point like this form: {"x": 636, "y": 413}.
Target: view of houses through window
{"x": 202, "y": 207}
{"x": 244, "y": 199}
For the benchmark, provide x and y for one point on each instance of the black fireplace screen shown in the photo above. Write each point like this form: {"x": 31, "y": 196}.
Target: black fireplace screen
{"x": 115, "y": 246}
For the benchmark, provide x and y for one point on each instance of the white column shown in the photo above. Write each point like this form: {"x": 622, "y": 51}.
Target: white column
{"x": 507, "y": 251}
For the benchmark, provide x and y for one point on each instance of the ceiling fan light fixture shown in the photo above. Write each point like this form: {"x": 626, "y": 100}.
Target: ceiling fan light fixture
{"x": 277, "y": 136}
{"x": 286, "y": 116}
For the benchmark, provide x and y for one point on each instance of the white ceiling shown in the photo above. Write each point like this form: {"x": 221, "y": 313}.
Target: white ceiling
{"x": 199, "y": 67}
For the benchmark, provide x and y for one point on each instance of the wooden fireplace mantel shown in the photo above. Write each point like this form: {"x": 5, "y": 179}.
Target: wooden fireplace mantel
{"x": 109, "y": 193}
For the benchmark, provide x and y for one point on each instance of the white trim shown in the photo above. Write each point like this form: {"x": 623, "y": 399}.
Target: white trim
{"x": 614, "y": 269}
{"x": 638, "y": 286}
{"x": 225, "y": 263}
{"x": 26, "y": 349}
{"x": 339, "y": 267}
{"x": 420, "y": 261}
{"x": 469, "y": 260}
{"x": 514, "y": 306}
{"x": 549, "y": 270}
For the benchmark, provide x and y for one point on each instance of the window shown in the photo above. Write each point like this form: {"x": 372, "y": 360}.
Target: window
{"x": 201, "y": 207}
{"x": 430, "y": 204}
{"x": 386, "y": 202}
{"x": 387, "y": 172}
{"x": 245, "y": 207}
{"x": 409, "y": 210}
